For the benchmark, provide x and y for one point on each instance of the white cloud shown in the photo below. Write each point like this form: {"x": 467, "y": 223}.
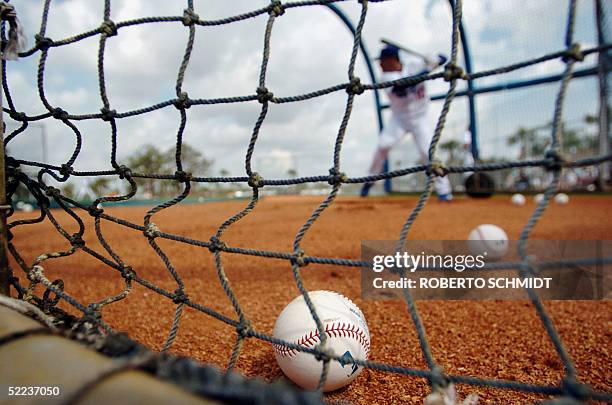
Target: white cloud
{"x": 310, "y": 49}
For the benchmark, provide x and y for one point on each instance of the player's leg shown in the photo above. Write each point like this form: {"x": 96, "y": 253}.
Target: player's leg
{"x": 391, "y": 134}
{"x": 423, "y": 131}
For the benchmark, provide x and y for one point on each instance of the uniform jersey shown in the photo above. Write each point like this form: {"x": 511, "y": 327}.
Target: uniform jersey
{"x": 408, "y": 103}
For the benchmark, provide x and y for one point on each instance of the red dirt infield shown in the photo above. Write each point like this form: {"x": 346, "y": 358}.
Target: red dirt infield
{"x": 487, "y": 339}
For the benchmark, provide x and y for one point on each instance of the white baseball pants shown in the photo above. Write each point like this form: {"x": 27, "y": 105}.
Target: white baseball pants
{"x": 394, "y": 132}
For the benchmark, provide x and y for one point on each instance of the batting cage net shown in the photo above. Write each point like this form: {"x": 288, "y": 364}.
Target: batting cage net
{"x": 27, "y": 276}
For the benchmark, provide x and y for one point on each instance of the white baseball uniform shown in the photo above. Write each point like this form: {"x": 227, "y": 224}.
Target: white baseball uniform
{"x": 410, "y": 113}
{"x": 468, "y": 158}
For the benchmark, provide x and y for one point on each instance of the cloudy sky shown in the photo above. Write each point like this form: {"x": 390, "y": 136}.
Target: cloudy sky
{"x": 310, "y": 50}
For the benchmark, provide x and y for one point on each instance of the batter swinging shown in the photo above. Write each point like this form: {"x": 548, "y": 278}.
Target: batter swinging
{"x": 409, "y": 107}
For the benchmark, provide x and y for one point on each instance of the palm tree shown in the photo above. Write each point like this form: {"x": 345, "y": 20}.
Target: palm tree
{"x": 192, "y": 160}
{"x": 525, "y": 138}
{"x": 148, "y": 160}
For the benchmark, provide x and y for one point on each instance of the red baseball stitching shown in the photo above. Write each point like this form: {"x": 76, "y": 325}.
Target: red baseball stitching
{"x": 339, "y": 329}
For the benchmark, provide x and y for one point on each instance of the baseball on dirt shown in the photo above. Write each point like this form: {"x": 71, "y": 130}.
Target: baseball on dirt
{"x": 488, "y": 240}
{"x": 517, "y": 199}
{"x": 347, "y": 336}
{"x": 562, "y": 198}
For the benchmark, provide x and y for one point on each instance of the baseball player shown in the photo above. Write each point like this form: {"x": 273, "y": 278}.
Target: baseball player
{"x": 409, "y": 108}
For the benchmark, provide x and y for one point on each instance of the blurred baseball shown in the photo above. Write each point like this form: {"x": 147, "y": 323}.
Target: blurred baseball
{"x": 19, "y": 205}
{"x": 562, "y": 198}
{"x": 27, "y": 207}
{"x": 538, "y": 198}
{"x": 518, "y": 199}
{"x": 347, "y": 335}
{"x": 488, "y": 240}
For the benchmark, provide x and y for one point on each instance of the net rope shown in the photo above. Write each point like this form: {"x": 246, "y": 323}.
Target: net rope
{"x": 553, "y": 161}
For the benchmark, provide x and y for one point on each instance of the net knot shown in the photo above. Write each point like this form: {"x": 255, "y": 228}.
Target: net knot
{"x": 43, "y": 43}
{"x": 124, "y": 172}
{"x": 452, "y": 72}
{"x": 95, "y": 211}
{"x": 66, "y": 170}
{"x": 264, "y": 95}
{"x": 128, "y": 273}
{"x": 190, "y": 17}
{"x": 52, "y": 192}
{"x": 180, "y": 297}
{"x": 276, "y": 8}
{"x": 59, "y": 114}
{"x": 244, "y": 329}
{"x": 336, "y": 177}
{"x": 108, "y": 114}
{"x": 554, "y": 160}
{"x": 151, "y": 231}
{"x": 182, "y": 102}
{"x": 183, "y": 177}
{"x": 92, "y": 313}
{"x": 299, "y": 258}
{"x": 355, "y": 86}
{"x": 216, "y": 245}
{"x": 575, "y": 389}
{"x": 437, "y": 168}
{"x": 322, "y": 353}
{"x": 255, "y": 180}
{"x": 17, "y": 116}
{"x": 109, "y": 28}
{"x": 573, "y": 54}
{"x": 77, "y": 241}
{"x": 36, "y": 274}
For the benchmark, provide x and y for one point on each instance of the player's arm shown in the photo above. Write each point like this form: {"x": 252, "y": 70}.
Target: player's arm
{"x": 428, "y": 64}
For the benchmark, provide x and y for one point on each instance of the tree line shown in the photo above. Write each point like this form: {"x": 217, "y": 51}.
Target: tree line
{"x": 149, "y": 159}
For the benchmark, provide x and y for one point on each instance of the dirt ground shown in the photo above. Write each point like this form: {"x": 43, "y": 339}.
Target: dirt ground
{"x": 489, "y": 339}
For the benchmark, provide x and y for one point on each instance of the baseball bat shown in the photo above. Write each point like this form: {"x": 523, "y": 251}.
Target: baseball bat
{"x": 403, "y": 48}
